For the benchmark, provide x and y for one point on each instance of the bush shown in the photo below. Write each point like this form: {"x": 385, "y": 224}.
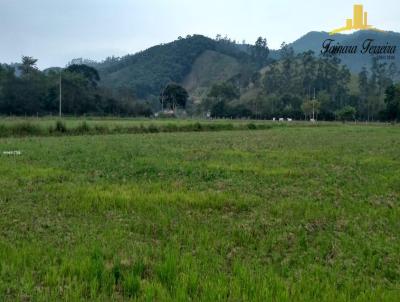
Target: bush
{"x": 197, "y": 127}
{"x": 153, "y": 128}
{"x": 251, "y": 126}
{"x": 4, "y": 131}
{"x": 347, "y": 113}
{"x": 60, "y": 127}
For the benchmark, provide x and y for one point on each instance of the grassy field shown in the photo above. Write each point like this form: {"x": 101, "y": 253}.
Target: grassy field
{"x": 283, "y": 214}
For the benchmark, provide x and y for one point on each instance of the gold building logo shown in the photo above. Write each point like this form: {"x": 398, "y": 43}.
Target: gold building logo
{"x": 359, "y": 21}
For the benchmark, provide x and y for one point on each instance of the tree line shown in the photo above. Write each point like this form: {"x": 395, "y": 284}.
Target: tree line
{"x": 25, "y": 90}
{"x": 305, "y": 86}
{"x": 297, "y": 86}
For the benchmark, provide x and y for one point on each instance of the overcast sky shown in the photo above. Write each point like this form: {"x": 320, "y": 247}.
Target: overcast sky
{"x": 56, "y": 31}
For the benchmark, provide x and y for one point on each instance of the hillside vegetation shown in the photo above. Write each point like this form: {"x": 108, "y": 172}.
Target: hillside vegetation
{"x": 209, "y": 68}
{"x": 147, "y": 72}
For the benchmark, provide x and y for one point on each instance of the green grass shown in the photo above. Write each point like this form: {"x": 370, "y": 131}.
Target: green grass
{"x": 18, "y": 127}
{"x": 48, "y": 126}
{"x": 284, "y": 214}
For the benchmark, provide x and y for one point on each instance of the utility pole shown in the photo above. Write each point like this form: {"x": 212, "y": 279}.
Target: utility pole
{"x": 60, "y": 103}
{"x": 313, "y": 107}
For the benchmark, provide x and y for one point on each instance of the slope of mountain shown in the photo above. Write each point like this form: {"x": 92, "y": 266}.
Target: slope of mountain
{"x": 314, "y": 40}
{"x": 210, "y": 67}
{"x": 147, "y": 72}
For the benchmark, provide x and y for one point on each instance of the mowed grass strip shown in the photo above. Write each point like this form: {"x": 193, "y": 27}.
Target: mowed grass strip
{"x": 285, "y": 214}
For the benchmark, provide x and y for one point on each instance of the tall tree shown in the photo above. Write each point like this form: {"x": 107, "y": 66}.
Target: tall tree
{"x": 88, "y": 72}
{"x": 28, "y": 65}
{"x": 364, "y": 92}
{"x": 174, "y": 96}
{"x": 260, "y": 51}
{"x": 392, "y": 100}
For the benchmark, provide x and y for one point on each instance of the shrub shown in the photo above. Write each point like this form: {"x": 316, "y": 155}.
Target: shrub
{"x": 347, "y": 113}
{"x": 251, "y": 126}
{"x": 197, "y": 127}
{"x": 153, "y": 128}
{"x": 60, "y": 127}
{"x": 4, "y": 131}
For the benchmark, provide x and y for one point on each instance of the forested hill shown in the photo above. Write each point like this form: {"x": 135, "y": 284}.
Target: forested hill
{"x": 147, "y": 72}
{"x": 217, "y": 77}
{"x": 314, "y": 40}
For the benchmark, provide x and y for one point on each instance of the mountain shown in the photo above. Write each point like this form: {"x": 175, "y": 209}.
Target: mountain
{"x": 195, "y": 61}
{"x": 314, "y": 41}
{"x": 198, "y": 61}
